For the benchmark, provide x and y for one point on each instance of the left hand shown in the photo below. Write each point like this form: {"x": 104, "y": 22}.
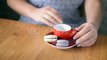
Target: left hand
{"x": 86, "y": 36}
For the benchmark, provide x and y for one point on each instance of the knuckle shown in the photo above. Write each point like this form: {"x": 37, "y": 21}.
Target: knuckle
{"x": 78, "y": 34}
{"x": 82, "y": 39}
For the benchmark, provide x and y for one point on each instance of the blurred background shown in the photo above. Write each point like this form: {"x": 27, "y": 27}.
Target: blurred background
{"x": 8, "y": 13}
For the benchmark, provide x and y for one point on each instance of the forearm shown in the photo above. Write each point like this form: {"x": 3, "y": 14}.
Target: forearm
{"x": 21, "y": 7}
{"x": 93, "y": 10}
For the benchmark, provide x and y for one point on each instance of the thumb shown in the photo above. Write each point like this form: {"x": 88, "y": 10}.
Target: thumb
{"x": 78, "y": 29}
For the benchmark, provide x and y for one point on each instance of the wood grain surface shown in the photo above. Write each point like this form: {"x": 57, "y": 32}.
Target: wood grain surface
{"x": 22, "y": 41}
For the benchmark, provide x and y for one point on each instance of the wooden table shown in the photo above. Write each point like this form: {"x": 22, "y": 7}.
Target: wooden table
{"x": 21, "y": 41}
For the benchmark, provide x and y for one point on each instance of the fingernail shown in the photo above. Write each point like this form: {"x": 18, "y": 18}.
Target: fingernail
{"x": 78, "y": 45}
{"x": 76, "y": 28}
{"x": 74, "y": 38}
{"x": 77, "y": 42}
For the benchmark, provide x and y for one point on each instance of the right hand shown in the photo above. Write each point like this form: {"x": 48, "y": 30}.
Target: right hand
{"x": 47, "y": 15}
{"x": 86, "y": 36}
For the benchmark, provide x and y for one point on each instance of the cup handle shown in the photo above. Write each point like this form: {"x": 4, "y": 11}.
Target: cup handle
{"x": 73, "y": 32}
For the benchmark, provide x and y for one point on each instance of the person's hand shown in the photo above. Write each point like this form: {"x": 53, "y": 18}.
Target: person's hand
{"x": 86, "y": 36}
{"x": 47, "y": 15}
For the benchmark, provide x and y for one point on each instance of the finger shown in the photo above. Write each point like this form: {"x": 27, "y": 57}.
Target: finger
{"x": 55, "y": 11}
{"x": 55, "y": 15}
{"x": 84, "y": 37}
{"x": 50, "y": 19}
{"x": 78, "y": 45}
{"x": 82, "y": 32}
{"x": 47, "y": 22}
{"x": 85, "y": 43}
{"x": 80, "y": 27}
{"x": 88, "y": 43}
